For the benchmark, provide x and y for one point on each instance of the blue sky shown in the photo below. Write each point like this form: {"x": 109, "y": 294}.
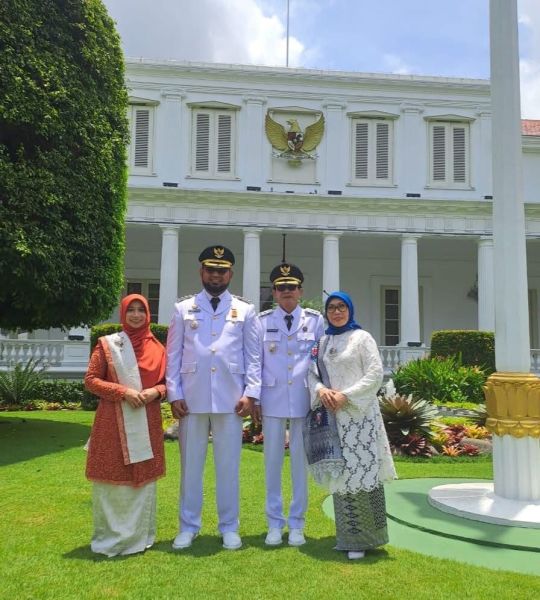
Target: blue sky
{"x": 422, "y": 37}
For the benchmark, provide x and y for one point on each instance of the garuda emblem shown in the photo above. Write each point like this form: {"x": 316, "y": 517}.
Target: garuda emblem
{"x": 294, "y": 143}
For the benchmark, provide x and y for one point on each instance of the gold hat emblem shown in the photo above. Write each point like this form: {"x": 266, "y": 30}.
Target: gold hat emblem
{"x": 219, "y": 252}
{"x": 285, "y": 269}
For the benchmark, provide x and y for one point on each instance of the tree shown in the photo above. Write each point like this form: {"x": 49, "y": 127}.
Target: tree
{"x": 63, "y": 136}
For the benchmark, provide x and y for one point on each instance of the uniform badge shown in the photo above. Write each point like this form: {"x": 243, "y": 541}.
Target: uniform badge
{"x": 219, "y": 252}
{"x": 194, "y": 309}
{"x": 304, "y": 328}
{"x": 194, "y": 324}
{"x": 234, "y": 313}
{"x": 332, "y": 351}
{"x": 272, "y": 348}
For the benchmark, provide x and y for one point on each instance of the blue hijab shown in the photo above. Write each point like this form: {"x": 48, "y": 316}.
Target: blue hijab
{"x": 350, "y": 324}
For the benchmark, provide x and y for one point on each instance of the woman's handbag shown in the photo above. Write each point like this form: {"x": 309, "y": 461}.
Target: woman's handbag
{"x": 321, "y": 438}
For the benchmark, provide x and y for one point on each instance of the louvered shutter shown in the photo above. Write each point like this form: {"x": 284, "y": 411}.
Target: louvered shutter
{"x": 361, "y": 151}
{"x": 439, "y": 153}
{"x": 224, "y": 138}
{"x": 202, "y": 142}
{"x": 141, "y": 137}
{"x": 382, "y": 151}
{"x": 460, "y": 158}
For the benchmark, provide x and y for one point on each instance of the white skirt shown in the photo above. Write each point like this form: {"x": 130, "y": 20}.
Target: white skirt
{"x": 124, "y": 518}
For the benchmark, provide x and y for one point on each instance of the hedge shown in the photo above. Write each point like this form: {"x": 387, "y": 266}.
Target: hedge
{"x": 476, "y": 348}
{"x": 97, "y": 331}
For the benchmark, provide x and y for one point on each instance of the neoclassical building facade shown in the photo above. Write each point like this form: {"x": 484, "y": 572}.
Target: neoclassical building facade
{"x": 392, "y": 204}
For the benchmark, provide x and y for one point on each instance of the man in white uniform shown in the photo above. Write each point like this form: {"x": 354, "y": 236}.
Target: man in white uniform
{"x": 288, "y": 333}
{"x": 213, "y": 378}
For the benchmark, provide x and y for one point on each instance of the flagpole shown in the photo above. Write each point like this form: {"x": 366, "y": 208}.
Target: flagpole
{"x": 287, "y": 52}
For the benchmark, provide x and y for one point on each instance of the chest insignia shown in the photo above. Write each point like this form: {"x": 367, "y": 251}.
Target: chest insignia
{"x": 272, "y": 330}
{"x": 272, "y": 348}
{"x": 332, "y": 351}
{"x": 304, "y": 328}
{"x": 194, "y": 309}
{"x": 194, "y": 324}
{"x": 234, "y": 313}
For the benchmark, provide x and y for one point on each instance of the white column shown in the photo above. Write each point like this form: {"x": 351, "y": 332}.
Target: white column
{"x": 411, "y": 153}
{"x": 410, "y": 308}
{"x": 336, "y": 168}
{"x": 330, "y": 262}
{"x": 252, "y": 266}
{"x": 486, "y": 286}
{"x": 253, "y": 144}
{"x": 483, "y": 155}
{"x": 516, "y": 461}
{"x": 168, "y": 278}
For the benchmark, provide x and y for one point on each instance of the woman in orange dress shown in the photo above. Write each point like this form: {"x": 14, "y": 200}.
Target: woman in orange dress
{"x": 126, "y": 452}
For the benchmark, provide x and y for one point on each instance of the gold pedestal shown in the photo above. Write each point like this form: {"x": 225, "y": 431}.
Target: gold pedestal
{"x": 513, "y": 404}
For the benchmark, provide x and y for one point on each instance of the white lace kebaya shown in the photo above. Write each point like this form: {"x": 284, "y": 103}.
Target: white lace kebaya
{"x": 354, "y": 366}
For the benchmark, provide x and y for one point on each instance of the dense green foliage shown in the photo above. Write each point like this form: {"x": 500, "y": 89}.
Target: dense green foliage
{"x": 404, "y": 416}
{"x": 63, "y": 135}
{"x": 20, "y": 385}
{"x": 476, "y": 348}
{"x": 160, "y": 331}
{"x": 443, "y": 379}
{"x": 60, "y": 391}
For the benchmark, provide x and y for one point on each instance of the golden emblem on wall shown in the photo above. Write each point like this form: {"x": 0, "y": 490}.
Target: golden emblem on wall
{"x": 294, "y": 144}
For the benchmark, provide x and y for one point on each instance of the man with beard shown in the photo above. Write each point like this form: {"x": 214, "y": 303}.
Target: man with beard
{"x": 213, "y": 378}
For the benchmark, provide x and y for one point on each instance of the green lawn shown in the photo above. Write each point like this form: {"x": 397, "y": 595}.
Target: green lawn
{"x": 46, "y": 526}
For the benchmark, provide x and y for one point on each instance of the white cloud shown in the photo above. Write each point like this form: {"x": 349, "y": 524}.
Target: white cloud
{"x": 529, "y": 18}
{"x": 395, "y": 64}
{"x": 230, "y": 31}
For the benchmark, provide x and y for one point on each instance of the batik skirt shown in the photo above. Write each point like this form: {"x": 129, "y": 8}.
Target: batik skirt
{"x": 360, "y": 520}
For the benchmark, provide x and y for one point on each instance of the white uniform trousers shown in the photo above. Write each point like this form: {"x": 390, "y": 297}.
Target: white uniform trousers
{"x": 227, "y": 442}
{"x": 274, "y": 451}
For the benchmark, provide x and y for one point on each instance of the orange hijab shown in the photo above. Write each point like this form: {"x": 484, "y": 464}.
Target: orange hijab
{"x": 149, "y": 351}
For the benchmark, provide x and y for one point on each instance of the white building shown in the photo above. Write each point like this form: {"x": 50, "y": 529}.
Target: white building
{"x": 393, "y": 206}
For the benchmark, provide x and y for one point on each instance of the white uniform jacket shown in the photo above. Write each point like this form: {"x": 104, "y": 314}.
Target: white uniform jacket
{"x": 213, "y": 357}
{"x": 285, "y": 360}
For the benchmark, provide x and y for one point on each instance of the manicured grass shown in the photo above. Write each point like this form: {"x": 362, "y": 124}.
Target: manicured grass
{"x": 46, "y": 526}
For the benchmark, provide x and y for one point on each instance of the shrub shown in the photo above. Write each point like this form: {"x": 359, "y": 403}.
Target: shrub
{"x": 60, "y": 391}
{"x": 476, "y": 348}
{"x": 442, "y": 379}
{"x": 405, "y": 417}
{"x": 19, "y": 385}
{"x": 89, "y": 401}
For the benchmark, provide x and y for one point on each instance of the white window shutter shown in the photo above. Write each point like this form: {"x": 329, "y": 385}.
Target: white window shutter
{"x": 224, "y": 139}
{"x": 141, "y": 143}
{"x": 202, "y": 142}
{"x": 361, "y": 151}
{"x": 382, "y": 152}
{"x": 439, "y": 153}
{"x": 460, "y": 155}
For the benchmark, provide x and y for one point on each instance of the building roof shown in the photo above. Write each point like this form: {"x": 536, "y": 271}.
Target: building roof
{"x": 530, "y": 127}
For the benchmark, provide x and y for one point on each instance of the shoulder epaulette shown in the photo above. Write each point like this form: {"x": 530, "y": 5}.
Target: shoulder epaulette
{"x": 241, "y": 299}
{"x": 185, "y": 297}
{"x": 312, "y": 311}
{"x": 266, "y": 312}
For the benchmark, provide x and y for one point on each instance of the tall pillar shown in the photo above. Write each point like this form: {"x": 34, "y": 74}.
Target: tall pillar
{"x": 335, "y": 133}
{"x": 410, "y": 307}
{"x": 512, "y": 393}
{"x": 484, "y": 167}
{"x": 330, "y": 276}
{"x": 486, "y": 286}
{"x": 254, "y": 144}
{"x": 252, "y": 266}
{"x": 168, "y": 278}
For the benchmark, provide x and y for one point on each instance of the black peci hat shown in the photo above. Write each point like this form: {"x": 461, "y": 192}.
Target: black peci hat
{"x": 217, "y": 256}
{"x": 286, "y": 273}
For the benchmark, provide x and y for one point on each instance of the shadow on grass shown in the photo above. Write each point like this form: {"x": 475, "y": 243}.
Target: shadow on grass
{"x": 23, "y": 439}
{"x": 323, "y": 549}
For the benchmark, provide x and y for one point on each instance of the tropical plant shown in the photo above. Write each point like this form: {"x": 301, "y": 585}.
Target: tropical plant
{"x": 403, "y": 416}
{"x": 19, "y": 385}
{"x": 442, "y": 379}
{"x": 415, "y": 445}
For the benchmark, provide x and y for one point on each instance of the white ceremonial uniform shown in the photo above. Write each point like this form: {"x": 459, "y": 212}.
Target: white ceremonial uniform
{"x": 212, "y": 361}
{"x": 286, "y": 355}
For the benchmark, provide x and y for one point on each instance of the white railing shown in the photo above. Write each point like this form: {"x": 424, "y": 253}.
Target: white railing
{"x": 55, "y": 355}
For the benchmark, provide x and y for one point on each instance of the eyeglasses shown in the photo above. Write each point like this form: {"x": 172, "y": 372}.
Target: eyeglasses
{"x": 290, "y": 287}
{"x": 218, "y": 270}
{"x": 332, "y": 308}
